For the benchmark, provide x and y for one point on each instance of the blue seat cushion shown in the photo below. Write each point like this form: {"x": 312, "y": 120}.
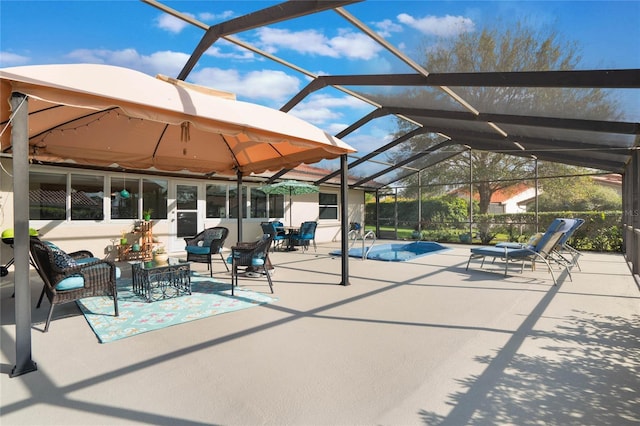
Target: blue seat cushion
{"x": 95, "y": 259}
{"x": 71, "y": 283}
{"x": 77, "y": 281}
{"x": 198, "y": 249}
{"x": 256, "y": 261}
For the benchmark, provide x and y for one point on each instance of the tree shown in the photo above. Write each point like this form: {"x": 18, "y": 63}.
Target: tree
{"x": 492, "y": 50}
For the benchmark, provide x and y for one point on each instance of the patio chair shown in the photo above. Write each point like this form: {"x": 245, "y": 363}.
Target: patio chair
{"x": 279, "y": 236}
{"x": 67, "y": 279}
{"x": 251, "y": 257}
{"x": 562, "y": 253}
{"x": 205, "y": 245}
{"x": 306, "y": 234}
{"x": 542, "y": 250}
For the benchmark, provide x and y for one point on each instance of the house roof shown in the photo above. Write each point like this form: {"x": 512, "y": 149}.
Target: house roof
{"x": 498, "y": 197}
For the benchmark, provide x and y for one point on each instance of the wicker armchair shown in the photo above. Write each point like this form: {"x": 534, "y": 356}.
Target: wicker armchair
{"x": 252, "y": 257}
{"x": 67, "y": 280}
{"x": 203, "y": 246}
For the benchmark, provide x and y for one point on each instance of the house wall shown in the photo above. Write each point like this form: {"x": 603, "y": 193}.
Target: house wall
{"x": 100, "y": 236}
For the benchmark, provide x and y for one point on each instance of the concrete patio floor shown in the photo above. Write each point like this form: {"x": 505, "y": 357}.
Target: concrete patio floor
{"x": 413, "y": 343}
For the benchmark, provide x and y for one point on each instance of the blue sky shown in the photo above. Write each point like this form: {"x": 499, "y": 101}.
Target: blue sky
{"x": 135, "y": 35}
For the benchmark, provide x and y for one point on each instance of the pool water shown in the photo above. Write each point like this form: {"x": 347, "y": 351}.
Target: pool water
{"x": 399, "y": 252}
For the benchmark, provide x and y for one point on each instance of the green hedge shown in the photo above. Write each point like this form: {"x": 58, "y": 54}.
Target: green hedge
{"x": 602, "y": 231}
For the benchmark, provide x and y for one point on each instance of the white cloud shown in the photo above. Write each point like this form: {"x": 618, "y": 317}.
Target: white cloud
{"x": 8, "y": 59}
{"x": 218, "y": 50}
{"x": 172, "y": 24}
{"x": 166, "y": 62}
{"x": 386, "y": 27}
{"x": 324, "y": 111}
{"x": 446, "y": 26}
{"x": 263, "y": 85}
{"x": 311, "y": 42}
{"x": 215, "y": 17}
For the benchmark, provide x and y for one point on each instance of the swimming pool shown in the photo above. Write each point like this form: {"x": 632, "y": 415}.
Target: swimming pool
{"x": 399, "y": 252}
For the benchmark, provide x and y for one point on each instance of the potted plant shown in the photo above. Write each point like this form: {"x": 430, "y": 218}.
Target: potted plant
{"x": 146, "y": 214}
{"x": 123, "y": 237}
{"x": 160, "y": 255}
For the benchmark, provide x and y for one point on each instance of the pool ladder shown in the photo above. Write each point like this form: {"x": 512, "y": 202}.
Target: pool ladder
{"x": 356, "y": 234}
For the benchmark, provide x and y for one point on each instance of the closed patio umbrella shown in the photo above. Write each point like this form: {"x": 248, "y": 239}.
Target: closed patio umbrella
{"x": 291, "y": 187}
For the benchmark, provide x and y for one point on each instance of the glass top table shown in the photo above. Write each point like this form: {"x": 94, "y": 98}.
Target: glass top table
{"x": 159, "y": 280}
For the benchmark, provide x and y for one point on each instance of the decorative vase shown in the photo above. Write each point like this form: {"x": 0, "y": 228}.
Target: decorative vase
{"x": 135, "y": 247}
{"x": 147, "y": 217}
{"x": 161, "y": 258}
{"x": 123, "y": 241}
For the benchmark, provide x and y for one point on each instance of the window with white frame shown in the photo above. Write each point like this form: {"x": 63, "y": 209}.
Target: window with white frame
{"x": 87, "y": 197}
{"x": 216, "y": 201}
{"x": 47, "y": 196}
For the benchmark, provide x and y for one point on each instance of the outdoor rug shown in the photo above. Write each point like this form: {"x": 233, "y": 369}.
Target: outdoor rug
{"x": 208, "y": 298}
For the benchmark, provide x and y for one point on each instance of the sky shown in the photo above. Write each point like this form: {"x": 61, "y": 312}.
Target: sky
{"x": 136, "y": 35}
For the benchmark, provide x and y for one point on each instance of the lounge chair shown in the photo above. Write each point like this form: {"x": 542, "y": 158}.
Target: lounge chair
{"x": 562, "y": 253}
{"x": 542, "y": 250}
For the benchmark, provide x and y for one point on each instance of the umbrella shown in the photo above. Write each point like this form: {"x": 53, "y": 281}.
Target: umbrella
{"x": 291, "y": 187}
{"x": 109, "y": 116}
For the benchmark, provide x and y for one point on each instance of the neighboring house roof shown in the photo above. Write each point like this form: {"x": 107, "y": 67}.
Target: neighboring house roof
{"x": 500, "y": 196}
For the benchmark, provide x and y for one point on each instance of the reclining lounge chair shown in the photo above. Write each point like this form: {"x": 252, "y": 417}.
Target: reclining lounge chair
{"x": 562, "y": 254}
{"x": 542, "y": 250}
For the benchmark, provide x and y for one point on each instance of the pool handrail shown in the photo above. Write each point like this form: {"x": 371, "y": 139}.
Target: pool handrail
{"x": 356, "y": 234}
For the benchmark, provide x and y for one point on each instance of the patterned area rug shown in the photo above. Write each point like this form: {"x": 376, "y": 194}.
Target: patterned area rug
{"x": 208, "y": 298}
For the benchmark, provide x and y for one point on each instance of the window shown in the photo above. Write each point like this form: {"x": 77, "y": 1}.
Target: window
{"x": 154, "y": 197}
{"x": 216, "y": 201}
{"x": 87, "y": 197}
{"x": 47, "y": 196}
{"x": 276, "y": 205}
{"x": 233, "y": 202}
{"x": 328, "y": 204}
{"x": 258, "y": 203}
{"x": 124, "y": 198}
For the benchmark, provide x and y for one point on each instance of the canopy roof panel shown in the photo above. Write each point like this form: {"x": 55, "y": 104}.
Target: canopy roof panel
{"x": 104, "y": 115}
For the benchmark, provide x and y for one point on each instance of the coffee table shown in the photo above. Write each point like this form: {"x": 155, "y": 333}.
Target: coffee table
{"x": 159, "y": 281}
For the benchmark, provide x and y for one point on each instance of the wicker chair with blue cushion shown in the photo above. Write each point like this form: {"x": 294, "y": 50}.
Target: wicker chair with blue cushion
{"x": 67, "y": 279}
{"x": 251, "y": 257}
{"x": 207, "y": 243}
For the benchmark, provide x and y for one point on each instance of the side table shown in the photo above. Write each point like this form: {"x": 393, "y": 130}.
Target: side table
{"x": 155, "y": 281}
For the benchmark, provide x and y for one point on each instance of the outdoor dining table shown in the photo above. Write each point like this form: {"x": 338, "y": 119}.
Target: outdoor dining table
{"x": 290, "y": 230}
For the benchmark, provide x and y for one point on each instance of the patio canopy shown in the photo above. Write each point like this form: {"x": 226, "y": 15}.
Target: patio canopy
{"x": 104, "y": 115}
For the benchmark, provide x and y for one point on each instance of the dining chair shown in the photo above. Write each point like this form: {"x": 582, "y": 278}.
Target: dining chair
{"x": 306, "y": 234}
{"x": 251, "y": 257}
